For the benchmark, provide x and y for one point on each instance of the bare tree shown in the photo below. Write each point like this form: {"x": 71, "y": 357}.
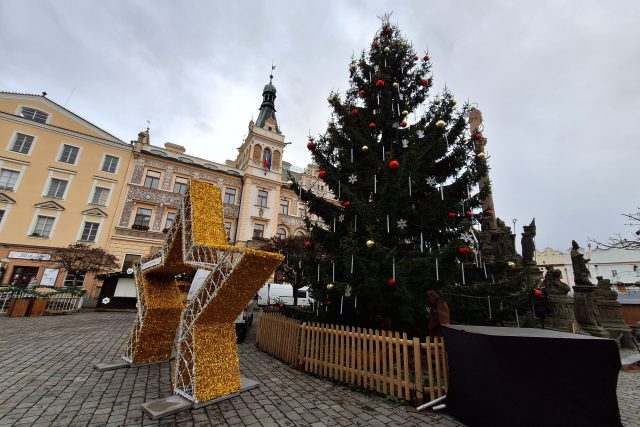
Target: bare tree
{"x": 79, "y": 259}
{"x": 290, "y": 271}
{"x": 618, "y": 241}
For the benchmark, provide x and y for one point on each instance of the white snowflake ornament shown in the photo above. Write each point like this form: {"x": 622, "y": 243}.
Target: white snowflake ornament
{"x": 340, "y": 218}
{"x": 402, "y": 224}
{"x": 420, "y": 134}
{"x": 431, "y": 182}
{"x": 353, "y": 179}
{"x": 405, "y": 143}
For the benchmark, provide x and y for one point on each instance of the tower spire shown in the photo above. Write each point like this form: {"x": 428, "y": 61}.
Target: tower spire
{"x": 267, "y": 116}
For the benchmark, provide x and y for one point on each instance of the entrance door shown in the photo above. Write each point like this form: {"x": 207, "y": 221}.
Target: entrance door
{"x": 22, "y": 276}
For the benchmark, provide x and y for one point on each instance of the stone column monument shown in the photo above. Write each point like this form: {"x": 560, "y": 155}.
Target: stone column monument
{"x": 584, "y": 308}
{"x": 609, "y": 313}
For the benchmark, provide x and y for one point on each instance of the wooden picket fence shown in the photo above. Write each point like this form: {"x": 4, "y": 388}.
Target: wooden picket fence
{"x": 384, "y": 361}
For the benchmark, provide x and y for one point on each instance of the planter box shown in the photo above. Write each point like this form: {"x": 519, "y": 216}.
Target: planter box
{"x": 37, "y": 307}
{"x": 19, "y": 307}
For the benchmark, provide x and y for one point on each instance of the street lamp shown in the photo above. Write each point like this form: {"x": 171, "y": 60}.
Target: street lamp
{"x": 514, "y": 220}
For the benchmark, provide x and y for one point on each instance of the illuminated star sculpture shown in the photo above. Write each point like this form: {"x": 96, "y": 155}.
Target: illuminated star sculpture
{"x": 206, "y": 365}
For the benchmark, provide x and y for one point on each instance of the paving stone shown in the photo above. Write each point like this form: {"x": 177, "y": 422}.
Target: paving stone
{"x": 49, "y": 379}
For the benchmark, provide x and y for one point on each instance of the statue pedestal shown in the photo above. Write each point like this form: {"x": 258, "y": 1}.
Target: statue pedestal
{"x": 561, "y": 316}
{"x": 609, "y": 315}
{"x": 584, "y": 311}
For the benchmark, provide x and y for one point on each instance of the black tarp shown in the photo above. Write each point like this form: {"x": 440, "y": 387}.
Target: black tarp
{"x": 531, "y": 377}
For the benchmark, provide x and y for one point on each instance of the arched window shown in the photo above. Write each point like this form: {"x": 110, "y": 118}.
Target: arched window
{"x": 257, "y": 152}
{"x": 281, "y": 233}
{"x": 276, "y": 159}
{"x": 266, "y": 159}
{"x": 299, "y": 233}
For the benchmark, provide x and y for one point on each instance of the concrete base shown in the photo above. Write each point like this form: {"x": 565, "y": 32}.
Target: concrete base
{"x": 117, "y": 364}
{"x": 170, "y": 405}
{"x": 166, "y": 406}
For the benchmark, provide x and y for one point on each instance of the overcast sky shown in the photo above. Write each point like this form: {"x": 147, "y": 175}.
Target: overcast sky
{"x": 557, "y": 82}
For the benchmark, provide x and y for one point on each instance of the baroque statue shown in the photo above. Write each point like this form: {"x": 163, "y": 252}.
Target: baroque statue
{"x": 528, "y": 244}
{"x": 581, "y": 273}
{"x": 553, "y": 284}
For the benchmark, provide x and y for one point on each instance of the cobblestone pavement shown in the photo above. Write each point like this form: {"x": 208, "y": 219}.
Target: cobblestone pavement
{"x": 47, "y": 378}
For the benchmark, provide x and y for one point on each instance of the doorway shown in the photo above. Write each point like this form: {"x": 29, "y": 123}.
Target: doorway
{"x": 22, "y": 276}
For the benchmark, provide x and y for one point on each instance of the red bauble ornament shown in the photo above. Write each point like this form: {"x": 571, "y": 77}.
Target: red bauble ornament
{"x": 393, "y": 165}
{"x": 463, "y": 250}
{"x": 425, "y": 82}
{"x": 354, "y": 112}
{"x": 426, "y": 57}
{"x": 372, "y": 125}
{"x": 452, "y": 215}
{"x": 469, "y": 214}
{"x": 380, "y": 83}
{"x": 537, "y": 292}
{"x": 327, "y": 302}
{"x": 307, "y": 244}
{"x": 281, "y": 306}
{"x": 310, "y": 145}
{"x": 403, "y": 124}
{"x": 392, "y": 282}
{"x": 346, "y": 204}
{"x": 387, "y": 30}
{"x": 478, "y": 136}
{"x": 322, "y": 174}
{"x": 362, "y": 92}
{"x": 489, "y": 212}
{"x": 416, "y": 57}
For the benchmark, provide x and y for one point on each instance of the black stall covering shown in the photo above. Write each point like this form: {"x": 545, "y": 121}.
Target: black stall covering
{"x": 531, "y": 377}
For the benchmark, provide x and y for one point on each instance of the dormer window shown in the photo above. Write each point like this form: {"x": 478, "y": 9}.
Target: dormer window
{"x": 185, "y": 159}
{"x": 33, "y": 114}
{"x": 159, "y": 153}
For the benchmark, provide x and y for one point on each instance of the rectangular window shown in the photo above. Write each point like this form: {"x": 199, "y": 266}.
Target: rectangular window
{"x": 8, "y": 179}
{"x": 258, "y": 231}
{"x": 227, "y": 226}
{"x": 181, "y": 185}
{"x": 284, "y": 207}
{"x": 110, "y": 164}
{"x": 152, "y": 180}
{"x": 89, "y": 231}
{"x": 22, "y": 143}
{"x": 129, "y": 261}
{"x": 43, "y": 226}
{"x": 57, "y": 188}
{"x": 100, "y": 196}
{"x": 143, "y": 217}
{"x": 71, "y": 279}
{"x": 301, "y": 212}
{"x": 69, "y": 154}
{"x": 262, "y": 198}
{"x": 33, "y": 114}
{"x": 171, "y": 218}
{"x": 230, "y": 195}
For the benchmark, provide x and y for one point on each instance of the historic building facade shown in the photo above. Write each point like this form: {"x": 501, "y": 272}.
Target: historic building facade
{"x": 60, "y": 181}
{"x": 64, "y": 180}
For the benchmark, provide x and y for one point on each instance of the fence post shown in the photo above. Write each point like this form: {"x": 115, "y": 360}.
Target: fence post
{"x": 417, "y": 367}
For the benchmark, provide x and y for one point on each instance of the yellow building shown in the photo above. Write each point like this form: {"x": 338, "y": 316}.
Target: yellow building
{"x": 60, "y": 182}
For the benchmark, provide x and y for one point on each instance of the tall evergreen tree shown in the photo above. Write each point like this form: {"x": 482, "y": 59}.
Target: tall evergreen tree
{"x": 403, "y": 171}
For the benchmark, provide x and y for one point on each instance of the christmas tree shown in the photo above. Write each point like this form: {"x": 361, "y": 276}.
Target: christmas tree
{"x": 404, "y": 172}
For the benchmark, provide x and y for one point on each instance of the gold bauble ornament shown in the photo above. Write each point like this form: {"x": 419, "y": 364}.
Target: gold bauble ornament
{"x": 387, "y": 50}
{"x": 289, "y": 183}
{"x": 511, "y": 264}
{"x": 405, "y": 113}
{"x": 330, "y": 286}
{"x": 481, "y": 155}
{"x": 467, "y": 139}
{"x": 370, "y": 243}
{"x": 353, "y": 67}
{"x": 440, "y": 124}
{"x": 330, "y": 122}
{"x": 454, "y": 102}
{"x": 395, "y": 85}
{"x": 364, "y": 148}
